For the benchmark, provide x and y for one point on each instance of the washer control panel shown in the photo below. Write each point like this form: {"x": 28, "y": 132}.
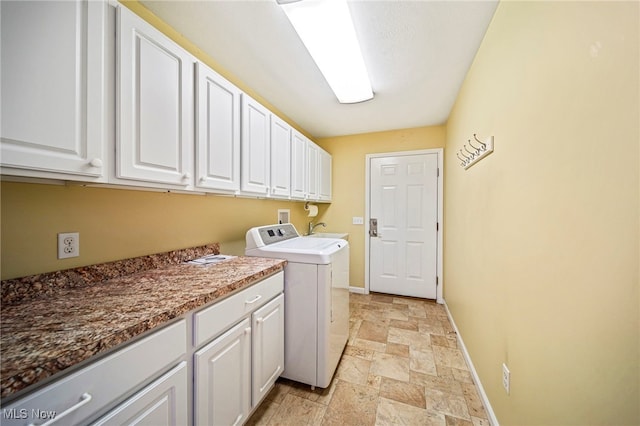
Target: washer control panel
{"x": 275, "y": 233}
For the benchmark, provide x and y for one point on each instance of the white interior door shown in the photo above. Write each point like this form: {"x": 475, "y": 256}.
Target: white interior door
{"x": 403, "y": 250}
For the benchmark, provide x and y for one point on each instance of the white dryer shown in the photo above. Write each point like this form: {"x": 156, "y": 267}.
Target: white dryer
{"x": 316, "y": 299}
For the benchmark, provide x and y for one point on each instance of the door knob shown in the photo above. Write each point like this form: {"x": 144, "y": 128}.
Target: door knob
{"x": 373, "y": 227}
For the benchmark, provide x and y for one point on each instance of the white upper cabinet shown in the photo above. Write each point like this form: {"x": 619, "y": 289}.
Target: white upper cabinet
{"x": 53, "y": 89}
{"x": 154, "y": 140}
{"x": 217, "y": 132}
{"x": 280, "y": 158}
{"x": 255, "y": 165}
{"x": 324, "y": 175}
{"x": 298, "y": 166}
{"x": 313, "y": 186}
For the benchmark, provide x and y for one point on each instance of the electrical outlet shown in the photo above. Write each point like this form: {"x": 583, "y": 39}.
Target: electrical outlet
{"x": 358, "y": 220}
{"x": 68, "y": 245}
{"x": 506, "y": 378}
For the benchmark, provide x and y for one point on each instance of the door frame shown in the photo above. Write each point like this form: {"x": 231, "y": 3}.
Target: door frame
{"x": 440, "y": 153}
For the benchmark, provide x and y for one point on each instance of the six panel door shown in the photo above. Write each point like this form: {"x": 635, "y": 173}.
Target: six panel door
{"x": 404, "y": 201}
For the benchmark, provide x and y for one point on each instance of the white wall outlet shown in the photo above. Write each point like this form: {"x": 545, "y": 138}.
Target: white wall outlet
{"x": 68, "y": 245}
{"x": 358, "y": 220}
{"x": 506, "y": 378}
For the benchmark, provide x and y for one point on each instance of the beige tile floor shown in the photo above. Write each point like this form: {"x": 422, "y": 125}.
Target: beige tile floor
{"x": 401, "y": 366}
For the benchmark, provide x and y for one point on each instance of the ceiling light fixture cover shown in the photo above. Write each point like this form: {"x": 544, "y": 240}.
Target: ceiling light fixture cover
{"x": 326, "y": 29}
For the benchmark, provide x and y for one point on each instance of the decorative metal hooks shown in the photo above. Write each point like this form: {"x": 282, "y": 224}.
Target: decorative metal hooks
{"x": 484, "y": 145}
{"x": 469, "y": 158}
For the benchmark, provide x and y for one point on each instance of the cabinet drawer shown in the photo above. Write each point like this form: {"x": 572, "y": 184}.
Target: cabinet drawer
{"x": 213, "y": 320}
{"x": 93, "y": 388}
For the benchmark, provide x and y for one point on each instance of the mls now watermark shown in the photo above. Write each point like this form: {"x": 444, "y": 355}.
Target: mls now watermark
{"x": 23, "y": 413}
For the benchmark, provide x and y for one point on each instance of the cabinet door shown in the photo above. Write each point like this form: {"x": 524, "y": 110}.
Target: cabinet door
{"x": 280, "y": 158}
{"x": 313, "y": 153}
{"x": 324, "y": 178}
{"x": 298, "y": 166}
{"x": 53, "y": 82}
{"x": 222, "y": 373}
{"x": 217, "y": 131}
{"x": 255, "y": 165}
{"x": 162, "y": 403}
{"x": 268, "y": 347}
{"x": 155, "y": 105}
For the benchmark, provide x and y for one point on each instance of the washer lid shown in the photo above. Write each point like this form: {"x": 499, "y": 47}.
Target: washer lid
{"x": 318, "y": 251}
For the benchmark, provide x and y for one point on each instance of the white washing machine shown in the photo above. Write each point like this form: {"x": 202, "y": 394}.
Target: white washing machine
{"x": 316, "y": 299}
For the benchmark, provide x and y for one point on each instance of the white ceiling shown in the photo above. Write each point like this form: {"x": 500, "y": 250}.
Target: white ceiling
{"x": 417, "y": 54}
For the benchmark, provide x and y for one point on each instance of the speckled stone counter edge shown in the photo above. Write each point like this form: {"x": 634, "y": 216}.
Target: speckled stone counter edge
{"x": 45, "y": 355}
{"x": 18, "y": 290}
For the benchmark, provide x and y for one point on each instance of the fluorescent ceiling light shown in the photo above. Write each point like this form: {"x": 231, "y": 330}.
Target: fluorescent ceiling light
{"x": 326, "y": 29}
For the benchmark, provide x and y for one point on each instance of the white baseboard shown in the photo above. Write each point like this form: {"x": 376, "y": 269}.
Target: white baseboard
{"x": 485, "y": 400}
{"x": 359, "y": 290}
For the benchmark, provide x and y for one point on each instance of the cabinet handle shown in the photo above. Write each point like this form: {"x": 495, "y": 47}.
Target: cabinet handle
{"x": 254, "y": 300}
{"x": 84, "y": 399}
{"x": 260, "y": 320}
{"x": 203, "y": 179}
{"x": 247, "y": 330}
{"x": 96, "y": 162}
{"x": 186, "y": 176}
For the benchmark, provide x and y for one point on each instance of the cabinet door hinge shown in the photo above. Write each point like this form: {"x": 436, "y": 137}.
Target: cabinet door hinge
{"x": 438, "y": 172}
{"x": 437, "y": 280}
{"x": 437, "y": 226}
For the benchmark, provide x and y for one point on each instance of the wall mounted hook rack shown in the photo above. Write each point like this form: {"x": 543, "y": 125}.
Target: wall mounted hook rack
{"x": 470, "y": 157}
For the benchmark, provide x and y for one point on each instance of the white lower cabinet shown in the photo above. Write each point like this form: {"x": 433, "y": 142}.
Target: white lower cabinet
{"x": 163, "y": 402}
{"x": 235, "y": 370}
{"x": 223, "y": 378}
{"x": 268, "y": 344}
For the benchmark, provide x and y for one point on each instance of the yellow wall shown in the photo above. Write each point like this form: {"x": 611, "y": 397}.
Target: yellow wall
{"x": 348, "y": 154}
{"x": 542, "y": 236}
{"x": 119, "y": 224}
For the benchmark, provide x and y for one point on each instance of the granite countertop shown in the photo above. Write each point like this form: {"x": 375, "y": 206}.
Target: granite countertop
{"x": 66, "y": 317}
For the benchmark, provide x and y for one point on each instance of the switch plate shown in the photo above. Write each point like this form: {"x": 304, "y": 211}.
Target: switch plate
{"x": 358, "y": 220}
{"x": 68, "y": 245}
